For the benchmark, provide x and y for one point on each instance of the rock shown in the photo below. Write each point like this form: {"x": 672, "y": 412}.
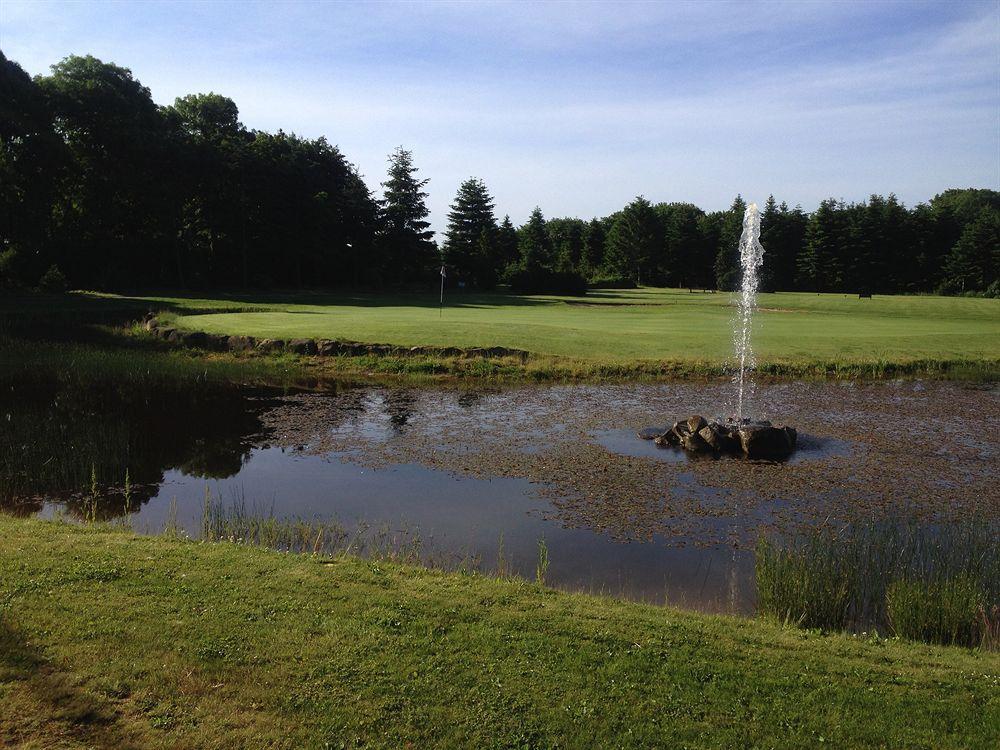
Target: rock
{"x": 694, "y": 442}
{"x": 194, "y": 339}
{"x": 303, "y": 346}
{"x": 328, "y": 348}
{"x": 695, "y": 423}
{"x": 720, "y": 438}
{"x": 218, "y": 342}
{"x": 270, "y": 345}
{"x": 763, "y": 441}
{"x": 240, "y": 343}
{"x": 150, "y": 324}
{"x": 758, "y": 440}
{"x": 667, "y": 439}
{"x": 650, "y": 433}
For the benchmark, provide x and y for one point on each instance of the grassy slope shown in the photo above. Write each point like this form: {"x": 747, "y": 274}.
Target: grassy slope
{"x": 108, "y": 638}
{"x": 620, "y": 326}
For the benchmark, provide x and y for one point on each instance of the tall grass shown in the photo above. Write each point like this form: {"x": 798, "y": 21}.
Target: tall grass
{"x": 934, "y": 583}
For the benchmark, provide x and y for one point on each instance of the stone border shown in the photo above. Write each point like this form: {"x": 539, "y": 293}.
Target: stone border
{"x": 220, "y": 342}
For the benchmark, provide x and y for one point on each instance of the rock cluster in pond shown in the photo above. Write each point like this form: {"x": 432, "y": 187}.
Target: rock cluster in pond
{"x": 750, "y": 439}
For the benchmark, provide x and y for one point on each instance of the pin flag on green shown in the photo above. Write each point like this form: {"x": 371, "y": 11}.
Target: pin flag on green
{"x": 441, "y": 304}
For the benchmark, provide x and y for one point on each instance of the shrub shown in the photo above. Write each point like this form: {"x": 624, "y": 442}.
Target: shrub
{"x": 52, "y": 280}
{"x": 613, "y": 282}
{"x": 545, "y": 281}
{"x": 946, "y": 611}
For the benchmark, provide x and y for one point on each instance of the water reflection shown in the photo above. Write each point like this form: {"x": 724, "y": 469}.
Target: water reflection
{"x": 178, "y": 445}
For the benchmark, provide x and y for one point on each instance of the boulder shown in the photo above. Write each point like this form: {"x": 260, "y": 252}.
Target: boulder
{"x": 720, "y": 438}
{"x": 694, "y": 442}
{"x": 303, "y": 346}
{"x": 240, "y": 343}
{"x": 218, "y": 342}
{"x": 668, "y": 438}
{"x": 194, "y": 339}
{"x": 763, "y": 441}
{"x": 270, "y": 345}
{"x": 328, "y": 348}
{"x": 650, "y": 433}
{"x": 696, "y": 422}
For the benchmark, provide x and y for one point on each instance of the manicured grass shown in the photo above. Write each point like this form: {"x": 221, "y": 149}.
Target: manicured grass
{"x": 626, "y": 326}
{"x": 109, "y": 639}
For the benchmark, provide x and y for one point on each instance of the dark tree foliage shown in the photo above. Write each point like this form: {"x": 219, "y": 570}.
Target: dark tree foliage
{"x": 729, "y": 227}
{"x": 100, "y": 188}
{"x": 537, "y": 271}
{"x": 682, "y": 262}
{"x": 405, "y": 237}
{"x": 507, "y": 254}
{"x": 593, "y": 248}
{"x": 633, "y": 243}
{"x": 471, "y": 240}
{"x": 974, "y": 261}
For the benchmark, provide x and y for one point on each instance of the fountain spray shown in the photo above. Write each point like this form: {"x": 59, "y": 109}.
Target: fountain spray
{"x": 751, "y": 258}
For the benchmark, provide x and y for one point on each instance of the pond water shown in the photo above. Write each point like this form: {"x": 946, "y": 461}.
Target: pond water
{"x": 470, "y": 476}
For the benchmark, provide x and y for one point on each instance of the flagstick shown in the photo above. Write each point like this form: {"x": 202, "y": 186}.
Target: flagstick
{"x": 441, "y": 305}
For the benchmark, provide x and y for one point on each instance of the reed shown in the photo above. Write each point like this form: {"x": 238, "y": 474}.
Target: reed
{"x": 939, "y": 583}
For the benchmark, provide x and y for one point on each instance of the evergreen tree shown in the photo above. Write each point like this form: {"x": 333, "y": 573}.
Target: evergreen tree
{"x": 680, "y": 261}
{"x": 507, "y": 254}
{"x": 727, "y": 258}
{"x": 408, "y": 251}
{"x": 819, "y": 267}
{"x": 566, "y": 236}
{"x": 470, "y": 240}
{"x": 533, "y": 244}
{"x": 973, "y": 265}
{"x": 633, "y": 242}
{"x": 593, "y": 248}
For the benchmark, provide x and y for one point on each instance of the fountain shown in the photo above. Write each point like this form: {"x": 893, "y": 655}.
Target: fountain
{"x": 739, "y": 434}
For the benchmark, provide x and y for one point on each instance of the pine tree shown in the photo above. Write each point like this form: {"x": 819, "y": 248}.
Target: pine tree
{"x": 409, "y": 253}
{"x": 727, "y": 258}
{"x": 593, "y": 248}
{"x": 819, "y": 263}
{"x": 533, "y": 243}
{"x": 507, "y": 254}
{"x": 973, "y": 265}
{"x": 633, "y": 241}
{"x": 470, "y": 240}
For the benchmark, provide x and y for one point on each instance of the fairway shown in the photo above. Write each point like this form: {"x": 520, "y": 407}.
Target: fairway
{"x": 623, "y": 326}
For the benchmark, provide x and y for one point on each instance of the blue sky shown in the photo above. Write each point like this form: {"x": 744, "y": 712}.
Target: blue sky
{"x": 578, "y": 107}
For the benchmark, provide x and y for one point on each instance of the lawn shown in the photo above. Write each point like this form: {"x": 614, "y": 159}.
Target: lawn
{"x": 110, "y": 639}
{"x": 624, "y": 326}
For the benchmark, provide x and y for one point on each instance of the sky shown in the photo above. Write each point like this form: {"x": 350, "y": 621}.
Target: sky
{"x": 578, "y": 107}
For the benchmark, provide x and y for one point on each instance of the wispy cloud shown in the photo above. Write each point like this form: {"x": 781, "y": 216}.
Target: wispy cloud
{"x": 577, "y": 107}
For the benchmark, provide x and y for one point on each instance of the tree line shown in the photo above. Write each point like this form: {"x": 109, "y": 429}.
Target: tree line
{"x": 101, "y": 188}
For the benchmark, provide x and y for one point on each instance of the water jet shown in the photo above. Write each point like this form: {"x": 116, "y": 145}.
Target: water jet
{"x": 739, "y": 434}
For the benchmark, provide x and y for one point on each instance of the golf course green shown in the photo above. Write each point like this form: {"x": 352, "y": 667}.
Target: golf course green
{"x": 621, "y": 326}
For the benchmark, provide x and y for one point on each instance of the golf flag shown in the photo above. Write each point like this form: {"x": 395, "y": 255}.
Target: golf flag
{"x": 443, "y": 274}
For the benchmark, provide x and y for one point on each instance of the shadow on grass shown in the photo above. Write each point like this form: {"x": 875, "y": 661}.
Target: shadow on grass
{"x": 46, "y": 705}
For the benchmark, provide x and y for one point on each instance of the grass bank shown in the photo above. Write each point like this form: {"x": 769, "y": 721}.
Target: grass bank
{"x": 107, "y": 638}
{"x": 613, "y": 336}
{"x": 623, "y": 327}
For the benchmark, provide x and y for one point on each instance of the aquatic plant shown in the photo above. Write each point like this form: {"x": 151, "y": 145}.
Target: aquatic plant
{"x": 939, "y": 583}
{"x": 542, "y": 567}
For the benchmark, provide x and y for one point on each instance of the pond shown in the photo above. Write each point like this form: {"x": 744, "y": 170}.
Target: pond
{"x": 476, "y": 478}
